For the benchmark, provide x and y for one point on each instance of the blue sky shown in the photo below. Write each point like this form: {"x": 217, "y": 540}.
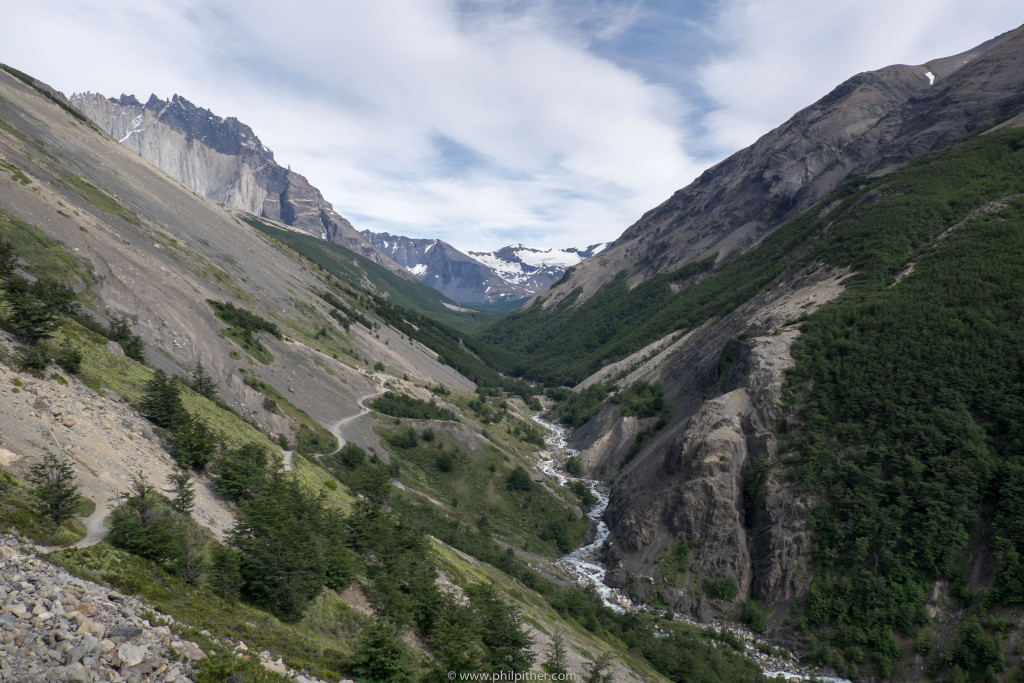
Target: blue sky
{"x": 489, "y": 122}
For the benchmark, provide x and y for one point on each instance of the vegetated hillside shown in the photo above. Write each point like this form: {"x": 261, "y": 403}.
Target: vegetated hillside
{"x": 252, "y": 364}
{"x": 358, "y": 271}
{"x": 872, "y": 123}
{"x": 867, "y": 509}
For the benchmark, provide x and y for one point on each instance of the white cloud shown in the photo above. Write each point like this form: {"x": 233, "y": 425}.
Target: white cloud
{"x": 486, "y": 122}
{"x": 774, "y": 58}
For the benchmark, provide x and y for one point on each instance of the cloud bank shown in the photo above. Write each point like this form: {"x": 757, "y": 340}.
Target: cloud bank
{"x": 487, "y": 122}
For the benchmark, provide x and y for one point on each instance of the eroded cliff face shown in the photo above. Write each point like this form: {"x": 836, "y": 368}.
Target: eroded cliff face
{"x": 702, "y": 518}
{"x": 223, "y": 160}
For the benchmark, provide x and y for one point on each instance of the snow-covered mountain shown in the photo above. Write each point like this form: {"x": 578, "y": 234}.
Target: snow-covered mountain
{"x": 480, "y": 277}
{"x": 534, "y": 269}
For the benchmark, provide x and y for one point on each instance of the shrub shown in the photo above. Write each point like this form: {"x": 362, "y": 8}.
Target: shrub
{"x": 519, "y": 480}
{"x": 720, "y": 589}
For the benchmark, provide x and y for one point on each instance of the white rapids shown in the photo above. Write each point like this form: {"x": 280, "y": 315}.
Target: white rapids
{"x": 583, "y": 563}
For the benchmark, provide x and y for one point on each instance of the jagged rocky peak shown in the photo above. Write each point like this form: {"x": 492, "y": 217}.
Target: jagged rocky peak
{"x": 222, "y": 159}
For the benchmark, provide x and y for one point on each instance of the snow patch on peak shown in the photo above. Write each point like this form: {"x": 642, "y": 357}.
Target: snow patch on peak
{"x": 540, "y": 258}
{"x": 419, "y": 270}
{"x": 930, "y": 76}
{"x": 133, "y": 127}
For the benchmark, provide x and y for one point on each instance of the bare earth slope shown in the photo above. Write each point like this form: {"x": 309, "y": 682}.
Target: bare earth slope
{"x": 156, "y": 252}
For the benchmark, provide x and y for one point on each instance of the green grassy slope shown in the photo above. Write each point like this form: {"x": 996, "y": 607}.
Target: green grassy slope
{"x": 358, "y": 270}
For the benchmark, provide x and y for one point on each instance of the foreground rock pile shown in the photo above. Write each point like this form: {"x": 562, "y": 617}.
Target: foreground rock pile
{"x": 55, "y": 627}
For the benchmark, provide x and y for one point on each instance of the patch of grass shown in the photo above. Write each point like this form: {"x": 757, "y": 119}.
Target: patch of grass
{"x": 98, "y": 198}
{"x": 539, "y": 520}
{"x": 42, "y": 254}
{"x": 310, "y": 437}
{"x": 6, "y": 127}
{"x": 16, "y": 173}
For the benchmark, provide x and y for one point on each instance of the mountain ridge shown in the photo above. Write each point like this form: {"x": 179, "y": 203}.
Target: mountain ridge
{"x": 221, "y": 159}
{"x": 871, "y": 123}
{"x": 493, "y": 278}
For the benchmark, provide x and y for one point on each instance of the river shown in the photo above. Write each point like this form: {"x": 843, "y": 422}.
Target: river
{"x": 584, "y": 563}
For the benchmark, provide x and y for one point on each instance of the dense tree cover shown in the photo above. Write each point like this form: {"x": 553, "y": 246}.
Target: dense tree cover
{"x": 240, "y": 472}
{"x": 909, "y": 399}
{"x": 243, "y": 327}
{"x": 244, "y": 320}
{"x": 35, "y": 308}
{"x": 401, "y": 405}
{"x": 642, "y": 399}
{"x": 576, "y": 408}
{"x": 565, "y": 343}
{"x": 290, "y": 546}
{"x": 147, "y": 524}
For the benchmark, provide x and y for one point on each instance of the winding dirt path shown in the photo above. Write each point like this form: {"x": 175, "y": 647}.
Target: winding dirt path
{"x": 363, "y": 410}
{"x": 95, "y": 527}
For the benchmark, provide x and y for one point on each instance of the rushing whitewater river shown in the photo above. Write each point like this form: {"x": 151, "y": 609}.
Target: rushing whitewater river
{"x": 583, "y": 563}
{"x": 585, "y": 566}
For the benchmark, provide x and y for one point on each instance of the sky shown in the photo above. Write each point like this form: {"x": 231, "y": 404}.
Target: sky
{"x": 555, "y": 123}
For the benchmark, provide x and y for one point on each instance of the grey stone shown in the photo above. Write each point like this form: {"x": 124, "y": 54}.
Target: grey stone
{"x": 126, "y": 632}
{"x": 131, "y": 655}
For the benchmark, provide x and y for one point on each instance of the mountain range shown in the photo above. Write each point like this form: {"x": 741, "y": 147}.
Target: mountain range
{"x": 798, "y": 382}
{"x": 504, "y": 276}
{"x": 223, "y": 160}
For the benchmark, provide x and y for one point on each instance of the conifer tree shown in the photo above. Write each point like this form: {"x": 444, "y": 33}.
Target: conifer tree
{"x": 36, "y": 307}
{"x": 184, "y": 491}
{"x": 202, "y": 383}
{"x": 192, "y": 442}
{"x": 556, "y": 661}
{"x": 56, "y": 489}
{"x": 161, "y": 402}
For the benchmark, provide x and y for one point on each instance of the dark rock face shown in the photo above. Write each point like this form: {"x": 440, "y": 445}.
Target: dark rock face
{"x": 870, "y": 124}
{"x": 438, "y": 264}
{"x": 707, "y": 480}
{"x": 223, "y": 160}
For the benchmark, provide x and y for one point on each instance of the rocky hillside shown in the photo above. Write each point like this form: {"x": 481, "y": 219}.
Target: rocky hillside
{"x": 756, "y": 364}
{"x": 221, "y": 159}
{"x": 871, "y": 124}
{"x": 116, "y": 283}
{"x": 480, "y": 278}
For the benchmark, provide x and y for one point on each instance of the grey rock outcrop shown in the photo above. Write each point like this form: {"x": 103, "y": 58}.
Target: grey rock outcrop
{"x": 57, "y": 627}
{"x": 709, "y": 480}
{"x": 223, "y": 160}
